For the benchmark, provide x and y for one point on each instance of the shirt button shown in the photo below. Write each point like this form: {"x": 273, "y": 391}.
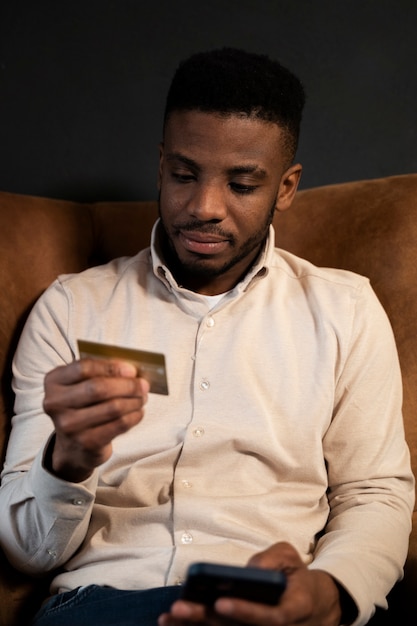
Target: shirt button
{"x": 210, "y": 322}
{"x": 187, "y": 538}
{"x": 186, "y": 484}
{"x": 52, "y": 553}
{"x": 78, "y": 501}
{"x": 204, "y": 385}
{"x": 179, "y": 581}
{"x": 198, "y": 432}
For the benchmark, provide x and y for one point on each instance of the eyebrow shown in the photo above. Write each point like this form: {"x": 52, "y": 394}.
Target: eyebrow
{"x": 248, "y": 169}
{"x": 177, "y": 156}
{"x": 233, "y": 171}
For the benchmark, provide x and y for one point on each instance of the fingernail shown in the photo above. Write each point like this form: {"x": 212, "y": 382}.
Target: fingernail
{"x": 224, "y": 606}
{"x": 127, "y": 369}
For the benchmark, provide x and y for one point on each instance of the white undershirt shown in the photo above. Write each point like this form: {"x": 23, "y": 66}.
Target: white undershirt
{"x": 213, "y": 300}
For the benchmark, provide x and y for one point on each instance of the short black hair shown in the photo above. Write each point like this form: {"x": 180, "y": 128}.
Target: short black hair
{"x": 230, "y": 81}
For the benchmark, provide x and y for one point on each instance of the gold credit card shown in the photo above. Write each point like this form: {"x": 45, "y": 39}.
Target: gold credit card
{"x": 149, "y": 365}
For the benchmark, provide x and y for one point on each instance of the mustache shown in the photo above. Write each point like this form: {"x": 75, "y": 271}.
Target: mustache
{"x": 203, "y": 227}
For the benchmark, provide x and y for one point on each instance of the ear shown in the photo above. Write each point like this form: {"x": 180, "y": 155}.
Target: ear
{"x": 287, "y": 187}
{"x": 161, "y": 163}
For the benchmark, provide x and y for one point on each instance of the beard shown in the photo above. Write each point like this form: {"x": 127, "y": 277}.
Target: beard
{"x": 200, "y": 267}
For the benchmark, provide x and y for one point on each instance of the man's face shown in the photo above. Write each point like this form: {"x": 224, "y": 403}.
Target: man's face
{"x": 221, "y": 179}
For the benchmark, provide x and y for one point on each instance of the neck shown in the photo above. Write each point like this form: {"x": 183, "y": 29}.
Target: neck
{"x": 206, "y": 282}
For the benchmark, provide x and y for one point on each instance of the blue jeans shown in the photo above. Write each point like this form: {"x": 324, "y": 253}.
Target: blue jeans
{"x": 106, "y": 606}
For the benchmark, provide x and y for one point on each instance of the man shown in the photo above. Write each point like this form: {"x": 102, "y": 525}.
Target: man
{"x": 280, "y": 444}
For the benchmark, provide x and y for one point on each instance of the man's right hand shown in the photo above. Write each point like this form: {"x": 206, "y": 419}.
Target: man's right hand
{"x": 91, "y": 401}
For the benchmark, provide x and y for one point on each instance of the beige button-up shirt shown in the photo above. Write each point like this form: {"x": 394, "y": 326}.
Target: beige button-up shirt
{"x": 283, "y": 419}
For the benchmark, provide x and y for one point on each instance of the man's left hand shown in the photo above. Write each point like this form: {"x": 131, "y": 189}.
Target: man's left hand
{"x": 310, "y": 599}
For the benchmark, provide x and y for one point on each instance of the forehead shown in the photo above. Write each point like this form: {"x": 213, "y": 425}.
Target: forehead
{"x": 211, "y": 136}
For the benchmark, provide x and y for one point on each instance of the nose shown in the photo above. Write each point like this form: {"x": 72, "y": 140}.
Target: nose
{"x": 208, "y": 203}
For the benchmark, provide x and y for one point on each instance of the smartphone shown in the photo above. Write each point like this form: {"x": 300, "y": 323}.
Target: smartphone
{"x": 206, "y": 582}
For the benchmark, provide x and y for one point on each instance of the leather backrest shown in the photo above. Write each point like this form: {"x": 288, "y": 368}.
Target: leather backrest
{"x": 366, "y": 226}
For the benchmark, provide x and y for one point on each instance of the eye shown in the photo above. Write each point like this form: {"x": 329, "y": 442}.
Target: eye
{"x": 242, "y": 189}
{"x": 183, "y": 178}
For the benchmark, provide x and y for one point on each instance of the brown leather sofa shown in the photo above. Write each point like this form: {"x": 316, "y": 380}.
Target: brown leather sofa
{"x": 366, "y": 226}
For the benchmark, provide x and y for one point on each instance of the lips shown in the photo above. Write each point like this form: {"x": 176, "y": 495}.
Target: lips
{"x": 203, "y": 243}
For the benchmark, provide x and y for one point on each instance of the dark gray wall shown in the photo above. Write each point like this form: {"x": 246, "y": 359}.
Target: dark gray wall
{"x": 82, "y": 86}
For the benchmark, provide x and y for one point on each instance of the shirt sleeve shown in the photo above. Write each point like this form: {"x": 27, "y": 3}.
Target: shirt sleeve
{"x": 44, "y": 519}
{"x": 371, "y": 487}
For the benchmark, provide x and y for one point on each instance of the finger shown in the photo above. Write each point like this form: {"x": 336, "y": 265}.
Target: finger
{"x": 102, "y": 389}
{"x": 91, "y": 391}
{"x": 166, "y": 619}
{"x": 84, "y": 441}
{"x": 123, "y": 413}
{"x": 243, "y": 612}
{"x": 188, "y": 611}
{"x": 89, "y": 368}
{"x": 281, "y": 555}
{"x": 294, "y": 607}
